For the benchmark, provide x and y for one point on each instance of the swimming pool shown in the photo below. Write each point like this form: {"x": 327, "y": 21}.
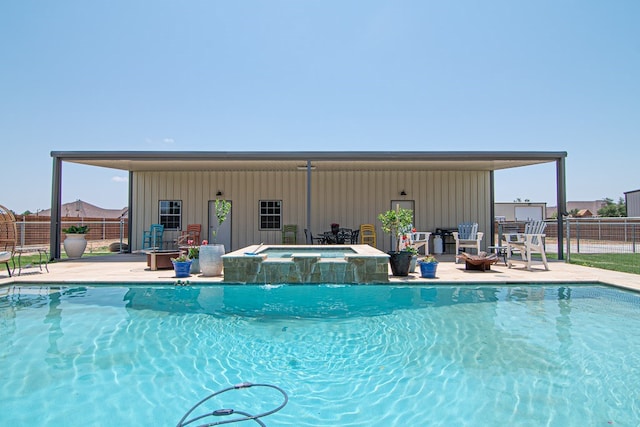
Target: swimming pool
{"x": 346, "y": 355}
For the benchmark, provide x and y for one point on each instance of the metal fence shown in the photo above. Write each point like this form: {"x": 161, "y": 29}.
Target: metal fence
{"x": 586, "y": 235}
{"x": 34, "y": 232}
{"x": 602, "y": 236}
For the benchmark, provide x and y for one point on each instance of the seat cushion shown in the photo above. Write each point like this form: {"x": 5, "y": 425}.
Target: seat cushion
{"x": 5, "y": 256}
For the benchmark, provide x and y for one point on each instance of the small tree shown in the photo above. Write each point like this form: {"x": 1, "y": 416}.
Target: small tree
{"x": 397, "y": 223}
{"x": 222, "y": 208}
{"x": 612, "y": 209}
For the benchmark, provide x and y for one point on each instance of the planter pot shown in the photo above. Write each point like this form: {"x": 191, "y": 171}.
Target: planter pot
{"x": 399, "y": 263}
{"x": 428, "y": 270}
{"x": 74, "y": 245}
{"x": 195, "y": 266}
{"x": 412, "y": 263}
{"x": 211, "y": 259}
{"x": 182, "y": 268}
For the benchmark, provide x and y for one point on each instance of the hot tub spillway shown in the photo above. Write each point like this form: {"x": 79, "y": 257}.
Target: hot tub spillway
{"x": 282, "y": 264}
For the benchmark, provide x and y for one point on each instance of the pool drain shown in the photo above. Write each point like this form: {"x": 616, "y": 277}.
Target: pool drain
{"x": 244, "y": 416}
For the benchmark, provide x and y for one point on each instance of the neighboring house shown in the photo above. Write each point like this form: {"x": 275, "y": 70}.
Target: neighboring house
{"x": 309, "y": 189}
{"x": 584, "y": 213}
{"x": 592, "y": 206}
{"x": 519, "y": 211}
{"x": 632, "y": 200}
{"x": 81, "y": 209}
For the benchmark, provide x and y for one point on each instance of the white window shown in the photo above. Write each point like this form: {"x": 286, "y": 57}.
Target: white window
{"x": 270, "y": 214}
{"x": 171, "y": 214}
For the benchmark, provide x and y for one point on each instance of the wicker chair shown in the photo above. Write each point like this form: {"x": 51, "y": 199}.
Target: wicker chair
{"x": 8, "y": 236}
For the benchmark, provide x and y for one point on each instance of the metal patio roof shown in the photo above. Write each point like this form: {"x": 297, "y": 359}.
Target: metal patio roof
{"x": 134, "y": 161}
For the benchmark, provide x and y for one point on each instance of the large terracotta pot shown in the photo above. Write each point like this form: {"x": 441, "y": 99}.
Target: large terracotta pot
{"x": 74, "y": 245}
{"x": 211, "y": 259}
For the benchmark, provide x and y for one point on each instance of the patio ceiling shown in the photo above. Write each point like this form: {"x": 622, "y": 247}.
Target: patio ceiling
{"x": 136, "y": 161}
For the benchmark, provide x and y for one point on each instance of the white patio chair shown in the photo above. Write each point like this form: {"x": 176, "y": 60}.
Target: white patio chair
{"x": 420, "y": 239}
{"x": 527, "y": 243}
{"x": 467, "y": 236}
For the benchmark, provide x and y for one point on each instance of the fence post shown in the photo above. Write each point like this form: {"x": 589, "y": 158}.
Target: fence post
{"x": 568, "y": 227}
{"x": 633, "y": 228}
{"x": 577, "y": 236}
{"x": 121, "y": 232}
{"x": 21, "y": 233}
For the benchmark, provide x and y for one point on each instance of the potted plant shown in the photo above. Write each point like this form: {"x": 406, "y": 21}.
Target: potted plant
{"x": 428, "y": 266}
{"x": 414, "y": 258}
{"x": 398, "y": 223}
{"x": 181, "y": 265}
{"x": 75, "y": 242}
{"x": 193, "y": 253}
{"x": 210, "y": 255}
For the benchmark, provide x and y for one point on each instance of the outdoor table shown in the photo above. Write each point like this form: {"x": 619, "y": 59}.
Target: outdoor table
{"x": 40, "y": 250}
{"x": 501, "y": 251}
{"x": 160, "y": 259}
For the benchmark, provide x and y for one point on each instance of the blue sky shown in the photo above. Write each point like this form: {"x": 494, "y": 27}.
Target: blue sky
{"x": 320, "y": 75}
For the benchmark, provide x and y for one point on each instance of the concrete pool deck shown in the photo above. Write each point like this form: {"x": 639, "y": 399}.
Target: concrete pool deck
{"x": 132, "y": 268}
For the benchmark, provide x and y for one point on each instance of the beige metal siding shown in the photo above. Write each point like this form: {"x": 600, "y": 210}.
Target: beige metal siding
{"x": 633, "y": 203}
{"x": 350, "y": 198}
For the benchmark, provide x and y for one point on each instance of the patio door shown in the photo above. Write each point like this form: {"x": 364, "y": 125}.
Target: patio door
{"x": 224, "y": 232}
{"x": 403, "y": 204}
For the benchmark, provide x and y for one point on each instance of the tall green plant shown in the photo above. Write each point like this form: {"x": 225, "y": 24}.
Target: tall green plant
{"x": 222, "y": 208}
{"x": 396, "y": 222}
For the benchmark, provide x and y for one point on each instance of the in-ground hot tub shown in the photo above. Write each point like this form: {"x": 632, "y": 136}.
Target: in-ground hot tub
{"x": 276, "y": 264}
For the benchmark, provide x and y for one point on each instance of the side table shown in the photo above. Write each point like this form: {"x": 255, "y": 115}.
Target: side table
{"x": 501, "y": 251}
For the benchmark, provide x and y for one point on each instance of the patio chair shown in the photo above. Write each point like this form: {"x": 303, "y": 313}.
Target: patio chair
{"x": 368, "y": 235}
{"x": 420, "y": 239}
{"x": 289, "y": 234}
{"x": 467, "y": 236}
{"x": 8, "y": 237}
{"x": 310, "y": 240}
{"x": 191, "y": 233}
{"x": 344, "y": 236}
{"x": 152, "y": 239}
{"x": 527, "y": 243}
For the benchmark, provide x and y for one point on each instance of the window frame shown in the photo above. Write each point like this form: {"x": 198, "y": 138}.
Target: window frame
{"x": 269, "y": 217}
{"x": 163, "y": 217}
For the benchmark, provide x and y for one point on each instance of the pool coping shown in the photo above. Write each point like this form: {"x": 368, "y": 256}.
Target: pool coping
{"x": 132, "y": 268}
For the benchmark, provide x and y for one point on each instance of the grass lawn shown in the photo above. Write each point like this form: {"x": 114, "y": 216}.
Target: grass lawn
{"x": 34, "y": 258}
{"x": 627, "y": 263}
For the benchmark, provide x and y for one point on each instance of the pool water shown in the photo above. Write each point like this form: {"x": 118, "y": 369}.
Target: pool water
{"x": 324, "y": 252}
{"x": 346, "y": 355}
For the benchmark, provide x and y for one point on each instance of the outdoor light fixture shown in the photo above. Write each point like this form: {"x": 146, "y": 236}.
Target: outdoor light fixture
{"x": 219, "y": 193}
{"x": 403, "y": 193}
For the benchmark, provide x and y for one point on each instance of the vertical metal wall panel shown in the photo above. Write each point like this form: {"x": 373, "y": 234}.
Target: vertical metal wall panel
{"x": 442, "y": 199}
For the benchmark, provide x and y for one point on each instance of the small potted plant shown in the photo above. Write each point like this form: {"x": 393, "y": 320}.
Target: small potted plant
{"x": 193, "y": 253}
{"x": 397, "y": 222}
{"x": 75, "y": 242}
{"x": 210, "y": 255}
{"x": 414, "y": 258}
{"x": 181, "y": 265}
{"x": 428, "y": 266}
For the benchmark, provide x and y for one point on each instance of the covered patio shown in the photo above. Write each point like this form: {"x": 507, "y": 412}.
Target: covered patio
{"x": 309, "y": 189}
